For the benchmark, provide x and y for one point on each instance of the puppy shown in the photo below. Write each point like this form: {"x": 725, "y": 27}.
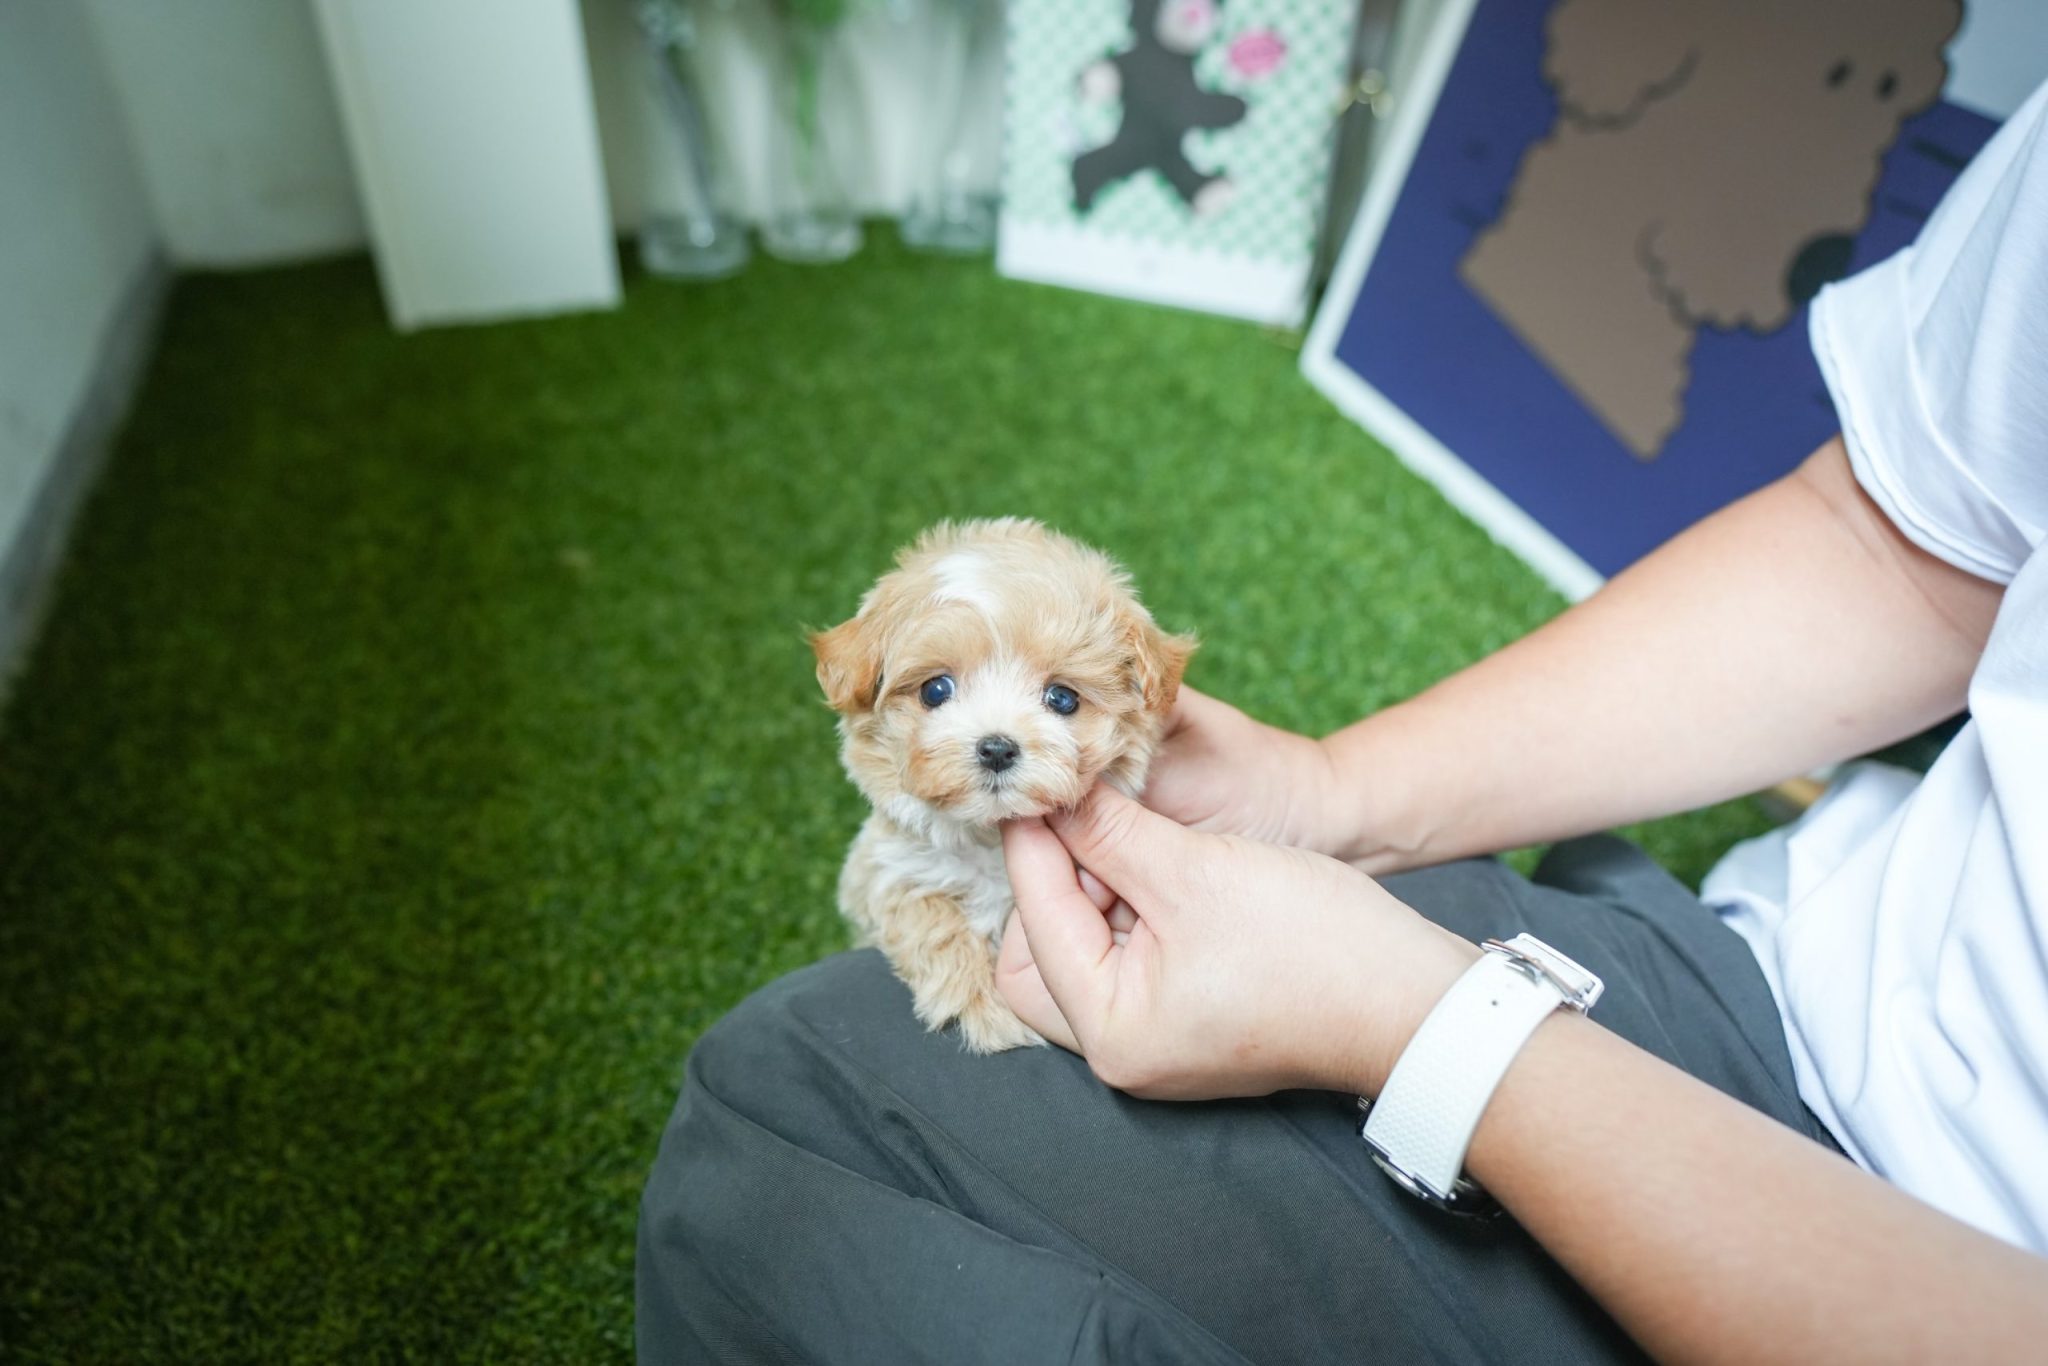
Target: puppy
{"x": 998, "y": 671}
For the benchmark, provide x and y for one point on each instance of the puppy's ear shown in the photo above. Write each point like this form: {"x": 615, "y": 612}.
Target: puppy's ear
{"x": 1157, "y": 660}
{"x": 850, "y": 662}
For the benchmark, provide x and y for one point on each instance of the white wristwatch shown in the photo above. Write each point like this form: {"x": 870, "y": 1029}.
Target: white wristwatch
{"x": 1422, "y": 1122}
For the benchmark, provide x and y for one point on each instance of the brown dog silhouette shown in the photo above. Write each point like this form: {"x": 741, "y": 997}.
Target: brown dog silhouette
{"x": 1710, "y": 163}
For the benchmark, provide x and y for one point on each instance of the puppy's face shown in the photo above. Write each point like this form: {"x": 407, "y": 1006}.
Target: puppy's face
{"x": 997, "y": 672}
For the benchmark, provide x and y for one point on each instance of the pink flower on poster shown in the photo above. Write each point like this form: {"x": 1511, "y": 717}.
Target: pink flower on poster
{"x": 1257, "y": 53}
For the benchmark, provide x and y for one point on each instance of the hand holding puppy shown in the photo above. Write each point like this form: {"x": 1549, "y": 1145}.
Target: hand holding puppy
{"x": 1248, "y": 968}
{"x": 1220, "y": 771}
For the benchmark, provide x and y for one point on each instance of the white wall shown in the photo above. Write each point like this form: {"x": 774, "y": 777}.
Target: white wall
{"x": 75, "y": 235}
{"x": 233, "y": 119}
{"x": 1999, "y": 55}
{"x": 237, "y": 128}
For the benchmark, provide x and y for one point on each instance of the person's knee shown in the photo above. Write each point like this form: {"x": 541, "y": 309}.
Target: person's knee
{"x": 783, "y": 1035}
{"x": 762, "y": 1075}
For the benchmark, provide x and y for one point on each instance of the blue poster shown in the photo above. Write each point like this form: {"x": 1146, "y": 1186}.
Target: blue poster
{"x": 1591, "y": 289}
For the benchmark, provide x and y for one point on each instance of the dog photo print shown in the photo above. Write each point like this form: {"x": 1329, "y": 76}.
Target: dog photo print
{"x": 1175, "y": 151}
{"x": 1575, "y": 297}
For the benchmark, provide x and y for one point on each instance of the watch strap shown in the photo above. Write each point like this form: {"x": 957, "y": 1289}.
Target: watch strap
{"x": 1422, "y": 1122}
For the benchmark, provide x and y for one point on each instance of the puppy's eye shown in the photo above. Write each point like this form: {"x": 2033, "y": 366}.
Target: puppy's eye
{"x": 1062, "y": 699}
{"x": 936, "y": 692}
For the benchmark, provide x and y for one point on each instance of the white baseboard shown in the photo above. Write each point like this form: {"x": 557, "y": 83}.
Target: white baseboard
{"x": 28, "y": 566}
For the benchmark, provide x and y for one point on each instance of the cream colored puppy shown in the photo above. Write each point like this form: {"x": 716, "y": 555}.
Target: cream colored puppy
{"x": 998, "y": 671}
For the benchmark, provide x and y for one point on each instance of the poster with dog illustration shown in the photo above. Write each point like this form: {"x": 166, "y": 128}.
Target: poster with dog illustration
{"x": 1575, "y": 295}
{"x": 1172, "y": 150}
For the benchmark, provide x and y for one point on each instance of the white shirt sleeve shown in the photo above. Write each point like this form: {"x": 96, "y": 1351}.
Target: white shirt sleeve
{"x": 1937, "y": 360}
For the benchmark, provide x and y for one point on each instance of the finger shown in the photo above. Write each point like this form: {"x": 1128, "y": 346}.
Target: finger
{"x": 1021, "y": 985}
{"x": 1098, "y": 891}
{"x": 1189, "y": 707}
{"x": 1069, "y": 939}
{"x": 1122, "y": 919}
{"x": 1130, "y": 847}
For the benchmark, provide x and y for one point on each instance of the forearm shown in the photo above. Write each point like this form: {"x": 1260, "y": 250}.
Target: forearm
{"x": 1712, "y": 1233}
{"x": 1794, "y": 628}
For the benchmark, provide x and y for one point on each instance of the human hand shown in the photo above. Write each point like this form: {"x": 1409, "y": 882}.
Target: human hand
{"x": 1186, "y": 965}
{"x": 1218, "y": 770}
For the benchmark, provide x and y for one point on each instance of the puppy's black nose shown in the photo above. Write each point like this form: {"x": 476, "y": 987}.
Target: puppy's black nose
{"x": 996, "y": 752}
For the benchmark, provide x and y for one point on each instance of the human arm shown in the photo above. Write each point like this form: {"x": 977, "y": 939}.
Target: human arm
{"x": 1726, "y": 1237}
{"x": 1710, "y": 1232}
{"x": 1796, "y": 627}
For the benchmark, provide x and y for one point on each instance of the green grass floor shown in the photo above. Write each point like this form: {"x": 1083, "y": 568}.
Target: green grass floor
{"x": 423, "y": 750}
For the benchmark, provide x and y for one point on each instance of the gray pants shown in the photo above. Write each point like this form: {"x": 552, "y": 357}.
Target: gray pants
{"x": 838, "y": 1185}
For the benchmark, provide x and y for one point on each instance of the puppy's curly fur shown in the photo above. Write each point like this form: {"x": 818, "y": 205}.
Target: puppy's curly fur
{"x": 999, "y": 671}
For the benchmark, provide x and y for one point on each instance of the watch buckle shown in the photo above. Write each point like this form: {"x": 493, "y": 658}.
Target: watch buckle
{"x": 1580, "y": 986}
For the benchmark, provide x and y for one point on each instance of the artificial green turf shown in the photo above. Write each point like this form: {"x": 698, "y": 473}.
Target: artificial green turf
{"x": 423, "y": 750}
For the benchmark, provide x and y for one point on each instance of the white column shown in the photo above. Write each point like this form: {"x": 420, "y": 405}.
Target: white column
{"x": 471, "y": 129}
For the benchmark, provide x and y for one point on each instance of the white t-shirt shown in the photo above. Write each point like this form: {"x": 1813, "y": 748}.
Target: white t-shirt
{"x": 1903, "y": 922}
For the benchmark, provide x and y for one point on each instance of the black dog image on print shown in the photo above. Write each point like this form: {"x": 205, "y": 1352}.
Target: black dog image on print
{"x": 1162, "y": 103}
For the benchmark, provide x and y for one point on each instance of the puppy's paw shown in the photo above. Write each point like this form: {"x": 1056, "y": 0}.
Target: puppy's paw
{"x": 989, "y": 1026}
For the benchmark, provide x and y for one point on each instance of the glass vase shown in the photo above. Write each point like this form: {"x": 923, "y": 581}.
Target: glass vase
{"x": 813, "y": 218}
{"x": 951, "y": 209}
{"x": 694, "y": 239}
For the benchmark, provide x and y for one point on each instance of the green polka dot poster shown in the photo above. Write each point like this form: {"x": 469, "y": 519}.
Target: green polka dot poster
{"x": 1175, "y": 151}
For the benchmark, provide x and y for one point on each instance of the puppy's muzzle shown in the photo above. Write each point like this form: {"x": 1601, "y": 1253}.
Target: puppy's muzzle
{"x": 997, "y": 752}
